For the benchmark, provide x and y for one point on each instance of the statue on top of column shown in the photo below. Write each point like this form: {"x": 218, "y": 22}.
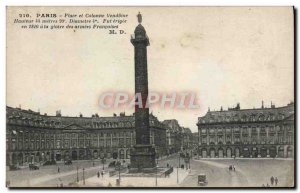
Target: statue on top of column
{"x": 139, "y": 16}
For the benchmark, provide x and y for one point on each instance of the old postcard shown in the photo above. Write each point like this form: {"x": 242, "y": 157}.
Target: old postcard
{"x": 177, "y": 97}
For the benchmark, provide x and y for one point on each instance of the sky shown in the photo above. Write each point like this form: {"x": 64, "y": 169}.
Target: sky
{"x": 225, "y": 55}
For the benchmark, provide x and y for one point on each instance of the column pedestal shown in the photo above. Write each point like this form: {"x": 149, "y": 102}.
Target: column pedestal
{"x": 142, "y": 159}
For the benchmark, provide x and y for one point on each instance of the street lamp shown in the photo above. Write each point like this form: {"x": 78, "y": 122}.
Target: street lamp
{"x": 119, "y": 168}
{"x": 77, "y": 175}
{"x": 102, "y": 160}
{"x": 156, "y": 168}
{"x": 119, "y": 172}
{"x": 177, "y": 175}
{"x": 198, "y": 146}
{"x": 156, "y": 175}
{"x": 83, "y": 176}
{"x": 179, "y": 160}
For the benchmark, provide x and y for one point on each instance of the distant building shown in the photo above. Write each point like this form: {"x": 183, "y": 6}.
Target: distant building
{"x": 178, "y": 138}
{"x": 186, "y": 138}
{"x": 262, "y": 132}
{"x": 33, "y": 137}
{"x": 195, "y": 138}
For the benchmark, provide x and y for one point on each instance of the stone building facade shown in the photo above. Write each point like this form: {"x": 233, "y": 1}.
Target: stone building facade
{"x": 262, "y": 132}
{"x": 33, "y": 137}
{"x": 178, "y": 138}
{"x": 194, "y": 143}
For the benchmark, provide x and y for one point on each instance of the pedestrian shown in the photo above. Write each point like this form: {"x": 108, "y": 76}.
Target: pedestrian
{"x": 93, "y": 164}
{"x": 272, "y": 180}
{"x": 98, "y": 174}
{"x": 167, "y": 165}
{"x": 7, "y": 183}
{"x": 268, "y": 185}
{"x": 58, "y": 170}
{"x": 233, "y": 168}
{"x": 276, "y": 181}
{"x": 102, "y": 173}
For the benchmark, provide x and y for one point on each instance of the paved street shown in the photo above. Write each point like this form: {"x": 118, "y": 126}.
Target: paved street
{"x": 217, "y": 174}
{"x": 248, "y": 173}
{"x": 139, "y": 180}
{"x": 48, "y": 175}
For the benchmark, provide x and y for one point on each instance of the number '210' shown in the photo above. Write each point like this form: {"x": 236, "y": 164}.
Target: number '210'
{"x": 24, "y": 15}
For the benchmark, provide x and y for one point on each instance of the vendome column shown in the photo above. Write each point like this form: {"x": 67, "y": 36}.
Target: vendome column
{"x": 142, "y": 155}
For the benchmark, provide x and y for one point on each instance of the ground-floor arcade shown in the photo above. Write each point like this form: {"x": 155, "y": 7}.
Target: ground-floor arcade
{"x": 246, "y": 151}
{"x": 26, "y": 157}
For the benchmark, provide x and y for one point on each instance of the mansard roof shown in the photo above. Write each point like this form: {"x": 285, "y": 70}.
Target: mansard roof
{"x": 173, "y": 126}
{"x": 29, "y": 117}
{"x": 248, "y": 115}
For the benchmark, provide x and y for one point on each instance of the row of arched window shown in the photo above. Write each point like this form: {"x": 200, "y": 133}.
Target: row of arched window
{"x": 253, "y": 130}
{"x": 241, "y": 118}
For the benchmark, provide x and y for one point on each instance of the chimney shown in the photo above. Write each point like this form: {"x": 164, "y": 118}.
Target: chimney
{"x": 272, "y": 105}
{"x": 58, "y": 113}
{"x": 238, "y": 106}
{"x": 262, "y": 104}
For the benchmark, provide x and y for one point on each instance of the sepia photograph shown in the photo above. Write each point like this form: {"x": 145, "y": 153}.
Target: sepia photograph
{"x": 150, "y": 97}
